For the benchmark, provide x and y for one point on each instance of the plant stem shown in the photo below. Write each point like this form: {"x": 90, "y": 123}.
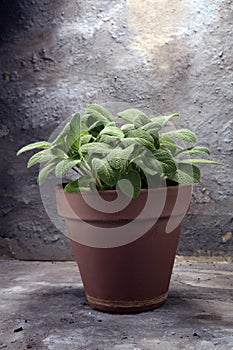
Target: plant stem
{"x": 77, "y": 171}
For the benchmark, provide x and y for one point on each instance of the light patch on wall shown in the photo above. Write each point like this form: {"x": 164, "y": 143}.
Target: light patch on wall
{"x": 86, "y": 26}
{"x": 156, "y": 31}
{"x": 155, "y": 22}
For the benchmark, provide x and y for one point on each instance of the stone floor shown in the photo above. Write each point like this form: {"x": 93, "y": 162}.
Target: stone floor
{"x": 43, "y": 307}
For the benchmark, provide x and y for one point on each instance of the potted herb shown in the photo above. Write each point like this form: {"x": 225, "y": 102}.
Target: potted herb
{"x": 125, "y": 248}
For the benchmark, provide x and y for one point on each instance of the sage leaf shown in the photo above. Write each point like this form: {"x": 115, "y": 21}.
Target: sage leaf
{"x": 200, "y": 161}
{"x": 130, "y": 183}
{"x": 193, "y": 151}
{"x": 182, "y": 134}
{"x": 112, "y": 131}
{"x": 95, "y": 147}
{"x": 65, "y": 165}
{"x": 186, "y": 174}
{"x": 45, "y": 171}
{"x": 101, "y": 111}
{"x": 40, "y": 157}
{"x": 32, "y": 146}
{"x": 130, "y": 115}
{"x": 105, "y": 172}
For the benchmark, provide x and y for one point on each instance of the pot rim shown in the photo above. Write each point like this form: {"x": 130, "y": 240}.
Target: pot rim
{"x": 143, "y": 190}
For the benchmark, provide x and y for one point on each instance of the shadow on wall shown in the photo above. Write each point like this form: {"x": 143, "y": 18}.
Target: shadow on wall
{"x": 10, "y": 16}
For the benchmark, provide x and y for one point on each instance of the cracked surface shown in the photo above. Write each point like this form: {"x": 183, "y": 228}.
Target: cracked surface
{"x": 43, "y": 306}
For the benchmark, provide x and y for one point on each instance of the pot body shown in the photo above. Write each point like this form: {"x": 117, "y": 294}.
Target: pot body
{"x": 129, "y": 275}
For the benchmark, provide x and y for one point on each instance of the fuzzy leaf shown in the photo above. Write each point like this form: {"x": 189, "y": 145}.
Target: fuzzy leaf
{"x": 141, "y": 136}
{"x": 108, "y": 139}
{"x": 101, "y": 111}
{"x": 118, "y": 157}
{"x": 200, "y": 161}
{"x": 130, "y": 115}
{"x": 73, "y": 137}
{"x": 126, "y": 127}
{"x": 141, "y": 120}
{"x": 95, "y": 116}
{"x": 134, "y": 178}
{"x": 58, "y": 152}
{"x": 31, "y": 146}
{"x": 186, "y": 174}
{"x": 45, "y": 171}
{"x": 65, "y": 165}
{"x": 141, "y": 164}
{"x": 112, "y": 131}
{"x": 96, "y": 147}
{"x": 164, "y": 119}
{"x": 170, "y": 143}
{"x": 105, "y": 172}
{"x": 85, "y": 139}
{"x": 167, "y": 162}
{"x": 62, "y": 135}
{"x": 153, "y": 163}
{"x": 115, "y": 160}
{"x": 193, "y": 151}
{"x": 83, "y": 184}
{"x": 39, "y": 157}
{"x": 182, "y": 134}
{"x": 153, "y": 126}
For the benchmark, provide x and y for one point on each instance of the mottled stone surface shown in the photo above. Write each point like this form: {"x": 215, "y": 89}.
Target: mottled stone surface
{"x": 165, "y": 56}
{"x": 43, "y": 306}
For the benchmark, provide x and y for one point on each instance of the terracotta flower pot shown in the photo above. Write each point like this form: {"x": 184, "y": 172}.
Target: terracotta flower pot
{"x": 128, "y": 270}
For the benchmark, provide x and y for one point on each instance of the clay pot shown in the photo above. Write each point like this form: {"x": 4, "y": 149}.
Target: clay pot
{"x": 126, "y": 271}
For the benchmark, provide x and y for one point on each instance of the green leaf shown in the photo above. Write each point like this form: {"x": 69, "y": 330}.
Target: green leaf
{"x": 200, "y": 161}
{"x": 73, "y": 189}
{"x": 58, "y": 152}
{"x": 153, "y": 163}
{"x": 134, "y": 178}
{"x": 40, "y": 157}
{"x": 101, "y": 111}
{"x": 118, "y": 157}
{"x": 152, "y": 126}
{"x": 108, "y": 139}
{"x": 45, "y": 171}
{"x": 164, "y": 119}
{"x": 65, "y": 165}
{"x": 182, "y": 134}
{"x": 112, "y": 131}
{"x": 74, "y": 133}
{"x": 105, "y": 172}
{"x": 83, "y": 184}
{"x": 130, "y": 115}
{"x": 141, "y": 164}
{"x": 186, "y": 174}
{"x": 95, "y": 116}
{"x": 142, "y": 137}
{"x": 114, "y": 158}
{"x": 95, "y": 147}
{"x": 85, "y": 139}
{"x": 61, "y": 136}
{"x": 193, "y": 151}
{"x": 31, "y": 146}
{"x": 111, "y": 124}
{"x": 169, "y": 143}
{"x": 141, "y": 120}
{"x": 126, "y": 127}
{"x": 167, "y": 162}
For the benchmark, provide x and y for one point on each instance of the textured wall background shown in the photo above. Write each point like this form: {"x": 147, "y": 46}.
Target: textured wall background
{"x": 166, "y": 55}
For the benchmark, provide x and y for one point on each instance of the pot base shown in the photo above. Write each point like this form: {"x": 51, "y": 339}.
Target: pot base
{"x": 127, "y": 306}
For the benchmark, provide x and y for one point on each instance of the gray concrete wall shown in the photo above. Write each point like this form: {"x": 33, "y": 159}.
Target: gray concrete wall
{"x": 166, "y": 55}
